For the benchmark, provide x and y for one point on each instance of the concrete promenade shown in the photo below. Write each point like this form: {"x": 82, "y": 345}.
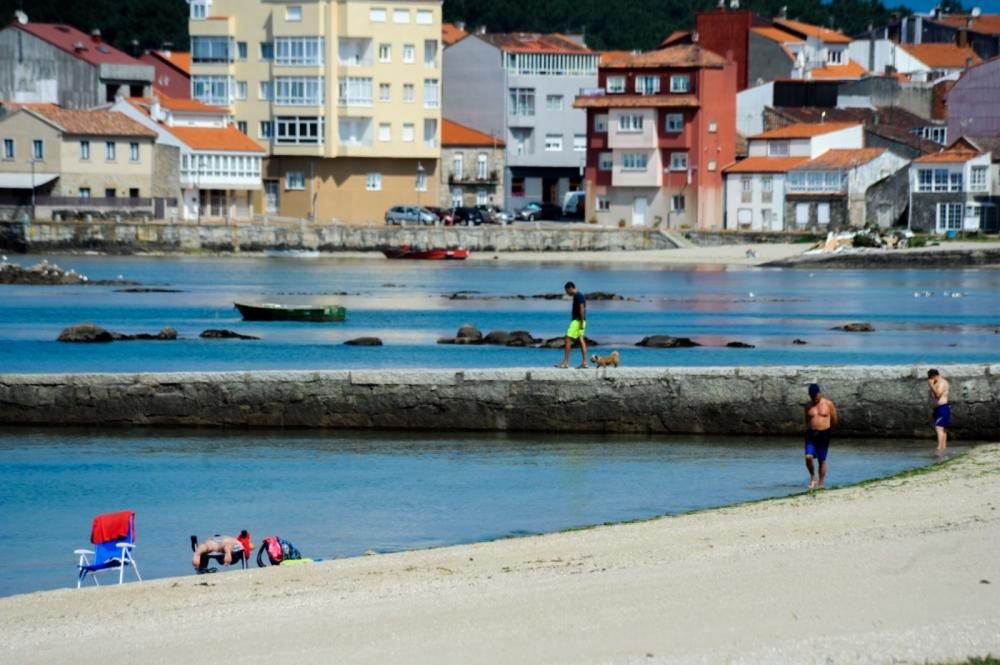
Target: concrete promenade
{"x": 873, "y": 401}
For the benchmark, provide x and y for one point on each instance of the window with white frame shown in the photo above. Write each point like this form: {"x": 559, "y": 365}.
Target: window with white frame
{"x": 384, "y": 132}
{"x": 299, "y": 90}
{"x": 241, "y": 90}
{"x": 373, "y": 183}
{"x": 553, "y": 142}
{"x": 400, "y": 15}
{"x": 605, "y": 161}
{"x": 425, "y": 17}
{"x": 295, "y": 180}
{"x": 266, "y": 91}
{"x": 431, "y": 88}
{"x": 409, "y": 53}
{"x": 712, "y": 165}
{"x": 579, "y": 143}
{"x": 601, "y": 123}
{"x": 212, "y": 50}
{"x": 677, "y": 203}
{"x": 430, "y": 132}
{"x": 955, "y": 181}
{"x": 616, "y": 85}
{"x": 84, "y": 151}
{"x": 457, "y": 164}
{"x": 293, "y": 13}
{"x": 977, "y": 178}
{"x": 925, "y": 180}
{"x": 408, "y": 132}
{"x": 630, "y": 122}
{"x": 456, "y": 197}
{"x": 482, "y": 197}
{"x": 354, "y": 91}
{"x": 713, "y": 126}
{"x": 680, "y": 83}
{"x": 200, "y": 9}
{"x": 647, "y": 85}
{"x": 553, "y": 102}
{"x": 482, "y": 166}
{"x": 298, "y": 130}
{"x": 266, "y": 129}
{"x": 430, "y": 53}
{"x": 801, "y": 214}
{"x": 213, "y": 90}
{"x": 241, "y": 50}
{"x": 376, "y": 14}
{"x": 767, "y": 188}
{"x": 603, "y": 204}
{"x": 949, "y": 216}
{"x": 385, "y": 52}
{"x": 110, "y": 152}
{"x": 408, "y": 94}
{"x": 85, "y": 192}
{"x": 678, "y": 161}
{"x": 746, "y": 189}
{"x": 133, "y": 151}
{"x": 551, "y": 64}
{"x": 675, "y": 122}
{"x": 778, "y": 148}
{"x": 384, "y": 92}
{"x": 298, "y": 51}
{"x": 635, "y": 161}
{"x": 8, "y": 149}
{"x": 835, "y": 56}
{"x": 522, "y": 101}
{"x": 354, "y": 51}
{"x": 355, "y": 131}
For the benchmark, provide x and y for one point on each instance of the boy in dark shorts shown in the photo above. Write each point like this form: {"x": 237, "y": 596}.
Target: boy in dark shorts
{"x": 821, "y": 416}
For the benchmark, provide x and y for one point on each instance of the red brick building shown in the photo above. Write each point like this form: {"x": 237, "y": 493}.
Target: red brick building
{"x": 173, "y": 72}
{"x": 660, "y": 128}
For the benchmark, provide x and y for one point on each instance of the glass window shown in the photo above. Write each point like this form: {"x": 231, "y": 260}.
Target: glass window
{"x": 85, "y": 192}
{"x": 949, "y": 216}
{"x": 266, "y": 91}
{"x": 616, "y": 84}
{"x": 835, "y": 57}
{"x": 109, "y": 151}
{"x": 299, "y": 51}
{"x": 267, "y": 51}
{"x": 385, "y": 52}
{"x": 553, "y": 142}
{"x": 601, "y": 123}
{"x": 84, "y": 150}
{"x": 925, "y": 180}
{"x": 199, "y": 9}
{"x": 295, "y": 180}
{"x": 8, "y": 148}
{"x": 482, "y": 197}
{"x": 955, "y": 181}
{"x": 630, "y": 123}
{"x": 680, "y": 83}
{"x": 133, "y": 151}
{"x": 376, "y": 15}
{"x": 712, "y": 165}
{"x": 373, "y": 182}
{"x": 977, "y": 179}
{"x": 241, "y": 90}
{"x": 430, "y": 52}
{"x": 522, "y": 101}
{"x": 778, "y": 148}
{"x": 297, "y": 130}
{"x": 241, "y": 50}
{"x": 635, "y": 161}
{"x": 430, "y": 93}
{"x": 605, "y": 161}
{"x": 940, "y": 180}
{"x": 647, "y": 85}
{"x": 677, "y": 203}
{"x": 408, "y": 93}
{"x": 293, "y": 13}
{"x": 554, "y": 102}
{"x": 675, "y": 122}
{"x": 384, "y": 92}
{"x": 213, "y": 90}
{"x": 408, "y": 132}
{"x": 266, "y": 129}
{"x": 354, "y": 91}
{"x": 425, "y": 17}
{"x": 302, "y": 90}
{"x": 431, "y": 132}
{"x": 409, "y": 53}
{"x": 355, "y": 131}
{"x": 603, "y": 204}
{"x": 421, "y": 184}
{"x": 678, "y": 161}
{"x": 457, "y": 164}
{"x": 38, "y": 149}
{"x": 400, "y": 15}
{"x": 482, "y": 166}
{"x": 384, "y": 132}
{"x": 212, "y": 49}
{"x": 579, "y": 143}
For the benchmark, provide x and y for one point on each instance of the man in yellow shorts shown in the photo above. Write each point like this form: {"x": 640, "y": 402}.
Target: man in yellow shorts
{"x": 577, "y": 327}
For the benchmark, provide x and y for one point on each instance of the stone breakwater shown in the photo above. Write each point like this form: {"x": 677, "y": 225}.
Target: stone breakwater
{"x": 131, "y": 237}
{"x": 873, "y": 401}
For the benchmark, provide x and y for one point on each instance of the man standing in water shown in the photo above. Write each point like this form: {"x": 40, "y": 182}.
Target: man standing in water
{"x": 577, "y": 327}
{"x": 821, "y": 416}
{"x": 942, "y": 409}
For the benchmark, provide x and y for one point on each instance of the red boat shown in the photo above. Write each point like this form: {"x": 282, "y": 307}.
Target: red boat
{"x": 407, "y": 252}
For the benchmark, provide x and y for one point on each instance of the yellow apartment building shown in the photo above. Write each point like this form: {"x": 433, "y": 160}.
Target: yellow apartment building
{"x": 345, "y": 95}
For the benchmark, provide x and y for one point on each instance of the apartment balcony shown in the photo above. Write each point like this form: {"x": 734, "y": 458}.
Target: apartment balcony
{"x": 203, "y": 181}
{"x": 222, "y": 26}
{"x": 491, "y": 178}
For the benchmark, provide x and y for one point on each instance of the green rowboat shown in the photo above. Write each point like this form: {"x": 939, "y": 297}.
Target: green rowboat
{"x": 274, "y": 312}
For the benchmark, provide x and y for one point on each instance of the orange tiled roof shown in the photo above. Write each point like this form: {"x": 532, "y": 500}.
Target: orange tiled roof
{"x": 611, "y": 56}
{"x": 676, "y": 37}
{"x": 777, "y": 35}
{"x": 841, "y": 159}
{"x": 91, "y": 123}
{"x": 636, "y": 101}
{"x": 453, "y": 133}
{"x": 228, "y": 139}
{"x": 852, "y": 70}
{"x": 986, "y": 23}
{"x": 188, "y": 105}
{"x": 943, "y": 56}
{"x": 682, "y": 55}
{"x": 766, "y": 164}
{"x": 533, "y": 42}
{"x": 178, "y": 59}
{"x": 805, "y": 130}
{"x": 451, "y": 33}
{"x": 948, "y": 157}
{"x": 822, "y": 34}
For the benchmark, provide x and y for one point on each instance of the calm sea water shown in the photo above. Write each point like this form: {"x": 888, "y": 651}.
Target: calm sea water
{"x": 404, "y": 303}
{"x": 342, "y": 494}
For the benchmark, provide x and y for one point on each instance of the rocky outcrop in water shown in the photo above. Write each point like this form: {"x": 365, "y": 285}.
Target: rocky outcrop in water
{"x": 856, "y": 327}
{"x": 88, "y": 333}
{"x": 467, "y": 334}
{"x": 667, "y": 342}
{"x": 224, "y": 334}
{"x": 740, "y": 345}
{"x": 49, "y": 274}
{"x": 364, "y": 341}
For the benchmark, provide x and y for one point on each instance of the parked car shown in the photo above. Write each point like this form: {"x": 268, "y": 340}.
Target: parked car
{"x": 469, "y": 216}
{"x": 574, "y": 205}
{"x": 534, "y": 211}
{"x": 494, "y": 214}
{"x": 410, "y": 215}
{"x": 444, "y": 215}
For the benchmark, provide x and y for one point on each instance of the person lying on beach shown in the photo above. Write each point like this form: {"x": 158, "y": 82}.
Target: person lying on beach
{"x": 221, "y": 545}
{"x": 821, "y": 416}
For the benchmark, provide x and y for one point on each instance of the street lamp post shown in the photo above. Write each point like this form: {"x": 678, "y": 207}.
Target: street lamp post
{"x": 420, "y": 181}
{"x": 32, "y": 162}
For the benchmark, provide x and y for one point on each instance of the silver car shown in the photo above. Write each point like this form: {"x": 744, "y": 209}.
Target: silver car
{"x": 410, "y": 215}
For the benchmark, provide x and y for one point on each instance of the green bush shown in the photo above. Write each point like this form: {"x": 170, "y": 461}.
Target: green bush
{"x": 865, "y": 240}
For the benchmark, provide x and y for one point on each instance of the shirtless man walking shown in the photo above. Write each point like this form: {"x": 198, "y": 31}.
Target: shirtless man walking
{"x": 821, "y": 416}
{"x": 942, "y": 409}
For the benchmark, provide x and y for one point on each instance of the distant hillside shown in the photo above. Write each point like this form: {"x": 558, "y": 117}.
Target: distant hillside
{"x": 608, "y": 24}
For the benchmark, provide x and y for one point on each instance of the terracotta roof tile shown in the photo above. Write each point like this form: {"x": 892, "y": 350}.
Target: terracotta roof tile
{"x": 188, "y": 105}
{"x": 533, "y": 42}
{"x": 66, "y": 37}
{"x": 635, "y": 101}
{"x": 942, "y": 56}
{"x": 92, "y": 123}
{"x": 777, "y": 35}
{"x": 851, "y": 70}
{"x": 837, "y": 159}
{"x": 676, "y": 37}
{"x": 823, "y": 34}
{"x": 988, "y": 24}
{"x": 453, "y": 133}
{"x": 179, "y": 59}
{"x": 805, "y": 130}
{"x": 611, "y": 56}
{"x": 892, "y": 123}
{"x": 766, "y": 164}
{"x": 451, "y": 33}
{"x": 682, "y": 55}
{"x": 948, "y": 157}
{"x": 228, "y": 139}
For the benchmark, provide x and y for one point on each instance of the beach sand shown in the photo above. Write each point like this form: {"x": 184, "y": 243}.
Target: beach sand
{"x": 727, "y": 255}
{"x": 902, "y": 570}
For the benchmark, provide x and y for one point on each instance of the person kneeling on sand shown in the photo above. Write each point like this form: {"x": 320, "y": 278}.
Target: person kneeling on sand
{"x": 221, "y": 545}
{"x": 821, "y": 416}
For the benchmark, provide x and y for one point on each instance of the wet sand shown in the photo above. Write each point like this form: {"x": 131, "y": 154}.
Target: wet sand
{"x": 902, "y": 570}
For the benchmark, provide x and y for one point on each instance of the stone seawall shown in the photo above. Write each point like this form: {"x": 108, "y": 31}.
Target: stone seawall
{"x": 873, "y": 401}
{"x": 131, "y": 237}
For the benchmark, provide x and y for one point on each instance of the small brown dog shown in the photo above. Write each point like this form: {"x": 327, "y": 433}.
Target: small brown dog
{"x": 603, "y": 361}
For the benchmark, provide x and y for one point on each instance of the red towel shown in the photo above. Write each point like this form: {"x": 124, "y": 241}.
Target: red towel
{"x": 244, "y": 539}
{"x": 111, "y": 526}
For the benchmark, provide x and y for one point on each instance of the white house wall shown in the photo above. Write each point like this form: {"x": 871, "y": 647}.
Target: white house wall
{"x": 750, "y": 104}
{"x": 756, "y": 208}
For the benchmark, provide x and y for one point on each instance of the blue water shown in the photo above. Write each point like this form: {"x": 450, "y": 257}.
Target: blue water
{"x": 404, "y": 303}
{"x": 342, "y": 494}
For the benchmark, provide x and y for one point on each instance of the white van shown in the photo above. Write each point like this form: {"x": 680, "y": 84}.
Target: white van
{"x": 574, "y": 204}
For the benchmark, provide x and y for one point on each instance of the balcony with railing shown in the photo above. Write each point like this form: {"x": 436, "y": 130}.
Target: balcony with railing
{"x": 491, "y": 177}
{"x": 817, "y": 182}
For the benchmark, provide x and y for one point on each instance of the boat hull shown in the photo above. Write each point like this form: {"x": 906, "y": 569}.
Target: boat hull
{"x": 319, "y": 314}
{"x": 427, "y": 255}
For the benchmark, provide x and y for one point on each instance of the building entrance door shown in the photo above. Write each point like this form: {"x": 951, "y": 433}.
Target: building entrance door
{"x": 639, "y": 211}
{"x": 550, "y": 190}
{"x": 271, "y": 196}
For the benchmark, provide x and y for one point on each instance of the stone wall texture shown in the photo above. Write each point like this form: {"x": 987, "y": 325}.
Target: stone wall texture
{"x": 872, "y": 401}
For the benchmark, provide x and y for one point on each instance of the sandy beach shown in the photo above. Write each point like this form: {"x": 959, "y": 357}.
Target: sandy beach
{"x": 901, "y": 570}
{"x": 729, "y": 255}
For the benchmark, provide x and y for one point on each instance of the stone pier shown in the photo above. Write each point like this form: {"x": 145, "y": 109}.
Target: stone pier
{"x": 873, "y": 401}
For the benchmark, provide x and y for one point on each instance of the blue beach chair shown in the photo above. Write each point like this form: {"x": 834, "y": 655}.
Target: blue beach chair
{"x": 113, "y": 536}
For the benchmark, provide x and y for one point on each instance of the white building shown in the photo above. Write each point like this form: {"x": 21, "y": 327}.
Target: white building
{"x": 920, "y": 63}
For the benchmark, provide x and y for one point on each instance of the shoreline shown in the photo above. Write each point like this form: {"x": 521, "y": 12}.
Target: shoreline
{"x": 896, "y": 572}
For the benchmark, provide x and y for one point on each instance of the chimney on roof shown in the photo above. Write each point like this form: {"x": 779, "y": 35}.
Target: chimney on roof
{"x": 155, "y": 110}
{"x": 694, "y": 36}
{"x": 784, "y": 12}
{"x": 460, "y": 25}
{"x": 95, "y": 36}
{"x": 481, "y": 30}
{"x": 78, "y": 46}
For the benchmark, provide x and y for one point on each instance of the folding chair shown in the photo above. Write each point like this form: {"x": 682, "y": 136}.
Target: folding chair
{"x": 240, "y": 553}
{"x": 113, "y": 536}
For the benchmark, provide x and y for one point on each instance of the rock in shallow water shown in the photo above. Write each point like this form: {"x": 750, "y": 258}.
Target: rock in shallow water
{"x": 856, "y": 327}
{"x": 667, "y": 342}
{"x": 85, "y": 333}
{"x": 364, "y": 341}
{"x": 224, "y": 334}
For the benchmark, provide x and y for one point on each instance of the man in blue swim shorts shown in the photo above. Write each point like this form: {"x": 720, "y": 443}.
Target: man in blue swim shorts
{"x": 942, "y": 409}
{"x": 821, "y": 416}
